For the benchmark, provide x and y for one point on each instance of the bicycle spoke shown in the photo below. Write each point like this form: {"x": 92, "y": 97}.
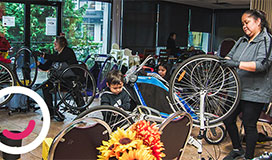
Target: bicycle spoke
{"x": 204, "y": 73}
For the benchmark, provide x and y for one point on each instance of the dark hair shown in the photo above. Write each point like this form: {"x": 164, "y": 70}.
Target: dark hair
{"x": 61, "y": 40}
{"x": 115, "y": 77}
{"x": 259, "y": 14}
{"x": 168, "y": 70}
{"x": 171, "y": 34}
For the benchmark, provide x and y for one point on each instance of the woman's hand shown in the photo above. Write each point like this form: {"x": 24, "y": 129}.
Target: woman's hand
{"x": 229, "y": 63}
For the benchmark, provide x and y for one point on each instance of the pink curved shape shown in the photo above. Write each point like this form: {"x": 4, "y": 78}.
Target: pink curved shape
{"x": 23, "y": 134}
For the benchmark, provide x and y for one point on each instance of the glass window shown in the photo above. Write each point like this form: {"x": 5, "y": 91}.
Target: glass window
{"x": 14, "y": 34}
{"x": 85, "y": 27}
{"x": 42, "y": 34}
{"x": 91, "y": 5}
{"x": 200, "y": 40}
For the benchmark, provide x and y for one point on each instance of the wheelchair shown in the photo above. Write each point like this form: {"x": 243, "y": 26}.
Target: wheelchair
{"x": 74, "y": 86}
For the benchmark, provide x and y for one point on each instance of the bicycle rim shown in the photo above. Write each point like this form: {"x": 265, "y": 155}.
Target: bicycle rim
{"x": 78, "y": 91}
{"x": 204, "y": 73}
{"x": 7, "y": 79}
{"x": 113, "y": 116}
{"x": 25, "y": 67}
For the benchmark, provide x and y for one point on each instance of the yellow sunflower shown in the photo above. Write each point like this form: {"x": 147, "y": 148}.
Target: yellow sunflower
{"x": 120, "y": 141}
{"x": 106, "y": 150}
{"x": 141, "y": 154}
{"x": 121, "y": 133}
{"x": 125, "y": 140}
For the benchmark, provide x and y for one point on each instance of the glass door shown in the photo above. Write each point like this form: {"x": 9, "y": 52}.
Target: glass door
{"x": 12, "y": 24}
{"x": 43, "y": 21}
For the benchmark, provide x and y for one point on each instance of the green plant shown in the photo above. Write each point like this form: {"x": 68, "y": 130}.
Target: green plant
{"x": 73, "y": 27}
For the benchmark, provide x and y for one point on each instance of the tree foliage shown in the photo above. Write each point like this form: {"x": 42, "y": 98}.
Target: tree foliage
{"x": 14, "y": 34}
{"x": 72, "y": 26}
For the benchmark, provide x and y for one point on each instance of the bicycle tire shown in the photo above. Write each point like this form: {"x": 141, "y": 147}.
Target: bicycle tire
{"x": 109, "y": 64}
{"x": 78, "y": 89}
{"x": 25, "y": 72}
{"x": 198, "y": 73}
{"x": 217, "y": 137}
{"x": 121, "y": 118}
{"x": 7, "y": 79}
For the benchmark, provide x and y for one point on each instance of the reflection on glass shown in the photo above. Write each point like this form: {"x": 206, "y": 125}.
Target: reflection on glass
{"x": 200, "y": 40}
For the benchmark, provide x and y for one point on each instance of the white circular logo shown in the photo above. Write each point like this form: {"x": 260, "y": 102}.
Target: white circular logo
{"x": 46, "y": 120}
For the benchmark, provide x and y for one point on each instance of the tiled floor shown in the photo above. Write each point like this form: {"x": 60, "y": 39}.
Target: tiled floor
{"x": 18, "y": 121}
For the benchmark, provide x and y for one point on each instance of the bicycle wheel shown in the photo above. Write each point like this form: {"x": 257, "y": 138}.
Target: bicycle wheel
{"x": 76, "y": 88}
{"x": 204, "y": 74}
{"x": 113, "y": 116}
{"x": 215, "y": 135}
{"x": 108, "y": 65}
{"x": 7, "y": 79}
{"x": 25, "y": 67}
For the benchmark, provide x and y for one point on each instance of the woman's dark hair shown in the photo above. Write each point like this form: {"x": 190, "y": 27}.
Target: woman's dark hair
{"x": 171, "y": 35}
{"x": 61, "y": 40}
{"x": 259, "y": 14}
{"x": 115, "y": 77}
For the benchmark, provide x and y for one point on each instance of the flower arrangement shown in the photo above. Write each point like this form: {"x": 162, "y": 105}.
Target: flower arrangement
{"x": 141, "y": 141}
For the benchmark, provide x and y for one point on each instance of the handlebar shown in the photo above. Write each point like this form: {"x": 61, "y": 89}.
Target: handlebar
{"x": 149, "y": 57}
{"x": 130, "y": 74}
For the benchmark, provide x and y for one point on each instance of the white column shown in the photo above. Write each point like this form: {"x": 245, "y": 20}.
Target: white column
{"x": 105, "y": 28}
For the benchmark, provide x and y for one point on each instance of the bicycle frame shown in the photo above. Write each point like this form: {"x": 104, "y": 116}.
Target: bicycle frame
{"x": 154, "y": 81}
{"x": 101, "y": 81}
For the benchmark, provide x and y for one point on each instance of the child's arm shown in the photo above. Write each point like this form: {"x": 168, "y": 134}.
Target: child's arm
{"x": 105, "y": 100}
{"x": 126, "y": 102}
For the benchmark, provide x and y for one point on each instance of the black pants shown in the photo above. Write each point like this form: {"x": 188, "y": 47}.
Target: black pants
{"x": 48, "y": 97}
{"x": 251, "y": 112}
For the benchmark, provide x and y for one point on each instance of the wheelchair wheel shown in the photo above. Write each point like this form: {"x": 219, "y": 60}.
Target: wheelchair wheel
{"x": 25, "y": 67}
{"x": 76, "y": 88}
{"x": 113, "y": 116}
{"x": 7, "y": 79}
{"x": 215, "y": 135}
{"x": 203, "y": 73}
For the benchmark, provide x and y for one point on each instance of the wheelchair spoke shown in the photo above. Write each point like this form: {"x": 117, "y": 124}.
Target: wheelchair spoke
{"x": 78, "y": 90}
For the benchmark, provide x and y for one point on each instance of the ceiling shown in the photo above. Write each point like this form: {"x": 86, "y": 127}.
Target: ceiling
{"x": 216, "y": 4}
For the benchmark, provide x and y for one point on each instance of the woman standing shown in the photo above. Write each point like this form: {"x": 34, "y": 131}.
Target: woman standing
{"x": 250, "y": 56}
{"x": 171, "y": 44}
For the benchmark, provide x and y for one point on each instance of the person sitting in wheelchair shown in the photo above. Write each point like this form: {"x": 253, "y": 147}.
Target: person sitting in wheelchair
{"x": 114, "y": 94}
{"x": 63, "y": 54}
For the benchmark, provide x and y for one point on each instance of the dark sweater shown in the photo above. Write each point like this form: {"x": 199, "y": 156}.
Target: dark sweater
{"x": 67, "y": 55}
{"x": 121, "y": 100}
{"x": 171, "y": 45}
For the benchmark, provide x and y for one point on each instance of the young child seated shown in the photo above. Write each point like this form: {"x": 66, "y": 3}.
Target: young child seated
{"x": 114, "y": 94}
{"x": 164, "y": 70}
